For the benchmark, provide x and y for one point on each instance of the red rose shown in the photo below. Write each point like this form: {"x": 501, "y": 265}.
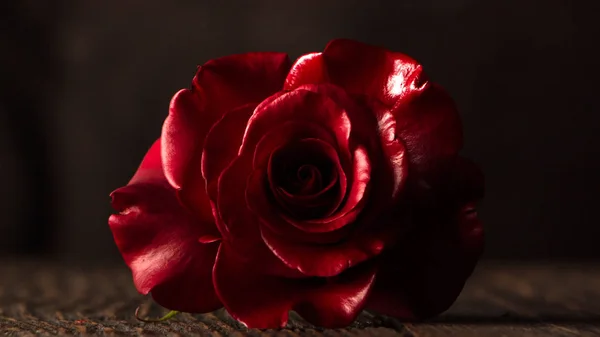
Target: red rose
{"x": 324, "y": 188}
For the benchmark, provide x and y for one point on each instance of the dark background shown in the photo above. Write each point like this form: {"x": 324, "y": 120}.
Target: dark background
{"x": 85, "y": 86}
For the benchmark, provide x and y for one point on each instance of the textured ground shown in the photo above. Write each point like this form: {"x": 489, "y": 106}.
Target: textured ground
{"x": 500, "y": 300}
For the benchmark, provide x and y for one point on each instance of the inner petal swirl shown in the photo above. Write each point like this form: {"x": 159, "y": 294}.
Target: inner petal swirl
{"x": 304, "y": 179}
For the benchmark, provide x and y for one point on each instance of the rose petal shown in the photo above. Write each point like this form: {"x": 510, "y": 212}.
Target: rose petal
{"x": 219, "y": 86}
{"x": 237, "y": 222}
{"x": 150, "y": 169}
{"x": 308, "y": 69}
{"x": 158, "y": 241}
{"x": 240, "y": 299}
{"x": 429, "y": 125}
{"x": 231, "y": 81}
{"x": 221, "y": 146}
{"x": 223, "y": 141}
{"x": 336, "y": 302}
{"x": 424, "y": 275}
{"x": 372, "y": 71}
{"x": 184, "y": 129}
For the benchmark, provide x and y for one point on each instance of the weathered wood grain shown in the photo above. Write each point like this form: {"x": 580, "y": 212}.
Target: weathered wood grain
{"x": 39, "y": 298}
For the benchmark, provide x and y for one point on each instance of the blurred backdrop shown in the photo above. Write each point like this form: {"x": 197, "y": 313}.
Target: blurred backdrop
{"x": 85, "y": 86}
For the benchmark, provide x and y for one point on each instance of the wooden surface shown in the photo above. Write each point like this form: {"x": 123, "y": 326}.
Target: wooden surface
{"x": 499, "y": 300}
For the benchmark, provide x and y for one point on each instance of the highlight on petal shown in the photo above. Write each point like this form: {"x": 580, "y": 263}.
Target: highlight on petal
{"x": 330, "y": 303}
{"x": 182, "y": 133}
{"x": 364, "y": 69}
{"x": 150, "y": 169}
{"x": 157, "y": 238}
{"x": 308, "y": 69}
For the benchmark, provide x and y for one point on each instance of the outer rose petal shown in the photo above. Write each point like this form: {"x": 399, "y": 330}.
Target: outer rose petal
{"x": 364, "y": 69}
{"x": 158, "y": 240}
{"x": 183, "y": 129}
{"x": 336, "y": 304}
{"x": 231, "y": 81}
{"x": 429, "y": 125}
{"x": 425, "y": 274}
{"x": 219, "y": 86}
{"x": 331, "y": 303}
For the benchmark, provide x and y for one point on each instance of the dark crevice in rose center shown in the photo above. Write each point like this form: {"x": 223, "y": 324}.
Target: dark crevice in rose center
{"x": 303, "y": 179}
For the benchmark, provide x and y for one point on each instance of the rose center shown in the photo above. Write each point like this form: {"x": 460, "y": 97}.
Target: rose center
{"x": 303, "y": 177}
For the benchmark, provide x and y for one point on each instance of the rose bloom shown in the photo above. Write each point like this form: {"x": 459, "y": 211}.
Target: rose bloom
{"x": 325, "y": 187}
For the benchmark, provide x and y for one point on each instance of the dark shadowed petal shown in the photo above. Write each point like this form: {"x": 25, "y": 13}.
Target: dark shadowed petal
{"x": 223, "y": 141}
{"x": 237, "y": 221}
{"x": 158, "y": 240}
{"x": 308, "y": 69}
{"x": 424, "y": 275}
{"x": 228, "y": 82}
{"x": 222, "y": 144}
{"x": 336, "y": 301}
{"x": 429, "y": 125}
